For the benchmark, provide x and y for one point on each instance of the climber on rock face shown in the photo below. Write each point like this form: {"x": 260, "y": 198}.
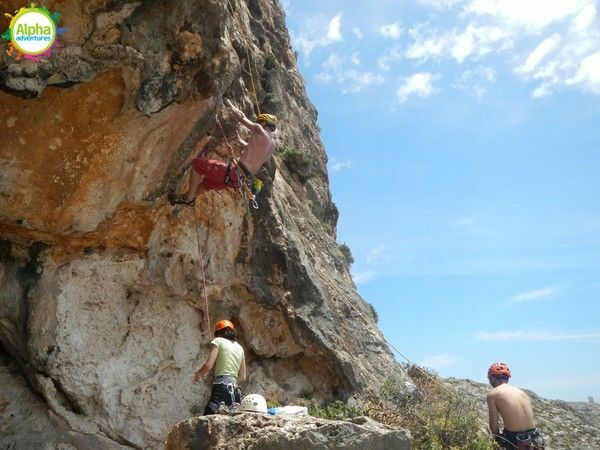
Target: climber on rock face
{"x": 514, "y": 406}
{"x": 227, "y": 358}
{"x": 208, "y": 174}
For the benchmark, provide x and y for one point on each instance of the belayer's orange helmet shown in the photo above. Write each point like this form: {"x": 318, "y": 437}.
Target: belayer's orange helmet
{"x": 499, "y": 370}
{"x": 224, "y": 324}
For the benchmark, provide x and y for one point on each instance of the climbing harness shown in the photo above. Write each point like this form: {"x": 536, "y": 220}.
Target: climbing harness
{"x": 225, "y": 396}
{"x": 523, "y": 440}
{"x": 247, "y": 185}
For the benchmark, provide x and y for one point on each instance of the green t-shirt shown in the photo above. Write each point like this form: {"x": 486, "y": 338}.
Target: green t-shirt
{"x": 230, "y": 357}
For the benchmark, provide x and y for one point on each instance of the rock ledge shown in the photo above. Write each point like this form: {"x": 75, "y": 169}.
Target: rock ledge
{"x": 259, "y": 431}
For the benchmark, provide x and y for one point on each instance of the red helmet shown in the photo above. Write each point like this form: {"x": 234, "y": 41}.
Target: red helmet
{"x": 499, "y": 370}
{"x": 224, "y": 324}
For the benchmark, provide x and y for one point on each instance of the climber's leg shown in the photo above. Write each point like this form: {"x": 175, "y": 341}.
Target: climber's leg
{"x": 207, "y": 174}
{"x": 195, "y": 186}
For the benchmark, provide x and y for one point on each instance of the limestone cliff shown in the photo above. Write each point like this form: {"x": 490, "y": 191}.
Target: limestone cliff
{"x": 101, "y": 300}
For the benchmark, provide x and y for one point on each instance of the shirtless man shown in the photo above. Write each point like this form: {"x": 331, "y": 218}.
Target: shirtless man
{"x": 514, "y": 406}
{"x": 208, "y": 174}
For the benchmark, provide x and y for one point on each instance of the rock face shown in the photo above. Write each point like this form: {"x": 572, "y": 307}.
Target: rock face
{"x": 562, "y": 425}
{"x": 101, "y": 295}
{"x": 28, "y": 423}
{"x": 258, "y": 431}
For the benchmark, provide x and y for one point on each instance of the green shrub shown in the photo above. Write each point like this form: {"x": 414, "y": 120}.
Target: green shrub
{"x": 297, "y": 162}
{"x": 437, "y": 418}
{"x": 347, "y": 254}
{"x": 270, "y": 62}
{"x": 374, "y": 312}
{"x": 336, "y": 410}
{"x": 328, "y": 228}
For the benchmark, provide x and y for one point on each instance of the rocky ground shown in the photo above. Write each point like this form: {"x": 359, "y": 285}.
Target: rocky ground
{"x": 259, "y": 431}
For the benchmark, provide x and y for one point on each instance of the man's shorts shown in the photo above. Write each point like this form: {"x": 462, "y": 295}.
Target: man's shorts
{"x": 214, "y": 172}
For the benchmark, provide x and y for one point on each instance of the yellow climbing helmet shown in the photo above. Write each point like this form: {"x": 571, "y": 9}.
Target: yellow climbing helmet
{"x": 269, "y": 119}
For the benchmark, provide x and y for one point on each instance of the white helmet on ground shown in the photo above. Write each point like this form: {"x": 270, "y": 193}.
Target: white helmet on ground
{"x": 253, "y": 403}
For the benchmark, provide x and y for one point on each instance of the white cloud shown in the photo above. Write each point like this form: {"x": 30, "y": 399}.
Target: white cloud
{"x": 585, "y": 18}
{"x": 565, "y": 57}
{"x": 346, "y": 72}
{"x": 427, "y": 43}
{"x": 540, "y": 52}
{"x": 588, "y": 73}
{"x": 565, "y": 53}
{"x": 439, "y": 4}
{"x": 391, "y": 56}
{"x": 538, "y": 294}
{"x": 334, "y": 33}
{"x": 476, "y": 80}
{"x": 376, "y": 253}
{"x": 341, "y": 165}
{"x": 357, "y": 32}
{"x": 475, "y": 41}
{"x": 363, "y": 277}
{"x": 521, "y": 335}
{"x": 420, "y": 84}
{"x": 532, "y": 15}
{"x": 439, "y": 361}
{"x": 391, "y": 30}
{"x": 312, "y": 35}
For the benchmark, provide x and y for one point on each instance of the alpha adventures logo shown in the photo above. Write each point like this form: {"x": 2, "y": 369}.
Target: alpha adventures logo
{"x": 33, "y": 33}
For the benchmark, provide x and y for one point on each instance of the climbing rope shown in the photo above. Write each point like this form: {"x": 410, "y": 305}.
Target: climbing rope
{"x": 229, "y": 146}
{"x": 230, "y": 11}
{"x": 380, "y": 334}
{"x": 201, "y": 262}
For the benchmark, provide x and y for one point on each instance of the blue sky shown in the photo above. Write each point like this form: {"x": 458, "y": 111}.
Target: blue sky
{"x": 464, "y": 156}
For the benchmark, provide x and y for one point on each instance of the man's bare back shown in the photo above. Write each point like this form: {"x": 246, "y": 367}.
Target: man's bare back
{"x": 513, "y": 405}
{"x": 259, "y": 149}
{"x": 260, "y": 146}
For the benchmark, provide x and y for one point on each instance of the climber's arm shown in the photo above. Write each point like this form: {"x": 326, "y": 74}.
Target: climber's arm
{"x": 242, "y": 117}
{"x": 208, "y": 365}
{"x": 493, "y": 414}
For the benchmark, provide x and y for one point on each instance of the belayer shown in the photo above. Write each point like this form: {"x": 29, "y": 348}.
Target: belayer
{"x": 514, "y": 406}
{"x": 209, "y": 174}
{"x": 227, "y": 359}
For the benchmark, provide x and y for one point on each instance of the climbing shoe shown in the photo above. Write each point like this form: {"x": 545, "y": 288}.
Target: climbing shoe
{"x": 180, "y": 200}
